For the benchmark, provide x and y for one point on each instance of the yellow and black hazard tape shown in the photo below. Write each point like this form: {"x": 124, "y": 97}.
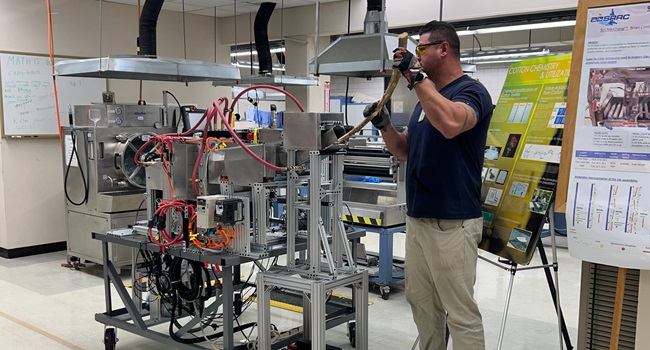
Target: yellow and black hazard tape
{"x": 361, "y": 220}
{"x": 296, "y": 308}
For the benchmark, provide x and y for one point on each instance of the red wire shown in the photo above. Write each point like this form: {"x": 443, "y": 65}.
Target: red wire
{"x": 161, "y": 211}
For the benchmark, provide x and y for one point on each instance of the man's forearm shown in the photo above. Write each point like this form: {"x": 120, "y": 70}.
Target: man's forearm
{"x": 395, "y": 142}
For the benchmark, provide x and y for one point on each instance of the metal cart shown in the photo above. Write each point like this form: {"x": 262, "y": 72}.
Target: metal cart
{"x": 386, "y": 273}
{"x": 135, "y": 318}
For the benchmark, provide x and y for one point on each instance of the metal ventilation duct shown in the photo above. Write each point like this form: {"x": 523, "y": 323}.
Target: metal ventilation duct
{"x": 265, "y": 72}
{"x": 143, "y": 68}
{"x": 366, "y": 55}
{"x": 146, "y": 66}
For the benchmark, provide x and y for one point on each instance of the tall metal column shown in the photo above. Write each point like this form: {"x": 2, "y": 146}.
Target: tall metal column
{"x": 227, "y": 295}
{"x": 313, "y": 233}
{"x": 336, "y": 197}
{"x": 290, "y": 208}
{"x": 318, "y": 326}
{"x": 263, "y": 313}
{"x": 260, "y": 213}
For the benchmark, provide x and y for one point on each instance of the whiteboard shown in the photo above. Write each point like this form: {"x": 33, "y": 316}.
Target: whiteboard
{"x": 27, "y": 97}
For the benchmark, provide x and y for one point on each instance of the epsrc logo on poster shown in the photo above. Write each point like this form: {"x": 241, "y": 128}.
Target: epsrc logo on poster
{"x": 610, "y": 19}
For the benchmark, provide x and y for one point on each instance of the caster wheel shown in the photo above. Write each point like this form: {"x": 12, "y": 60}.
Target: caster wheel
{"x": 110, "y": 340}
{"x": 352, "y": 333}
{"x": 72, "y": 262}
{"x": 385, "y": 292}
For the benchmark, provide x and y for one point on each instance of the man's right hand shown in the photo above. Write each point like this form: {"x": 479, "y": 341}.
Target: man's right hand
{"x": 382, "y": 120}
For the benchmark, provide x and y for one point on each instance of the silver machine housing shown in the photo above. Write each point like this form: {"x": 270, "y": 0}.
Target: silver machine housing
{"x": 114, "y": 184}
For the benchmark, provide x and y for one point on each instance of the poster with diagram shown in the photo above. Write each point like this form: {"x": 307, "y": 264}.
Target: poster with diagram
{"x": 609, "y": 186}
{"x": 522, "y": 156}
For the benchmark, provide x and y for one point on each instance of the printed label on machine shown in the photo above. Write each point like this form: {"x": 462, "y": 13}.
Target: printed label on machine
{"x": 68, "y": 152}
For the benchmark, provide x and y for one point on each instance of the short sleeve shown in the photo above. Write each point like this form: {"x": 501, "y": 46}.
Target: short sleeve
{"x": 475, "y": 95}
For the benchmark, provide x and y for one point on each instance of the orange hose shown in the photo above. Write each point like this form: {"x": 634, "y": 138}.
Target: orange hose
{"x": 50, "y": 44}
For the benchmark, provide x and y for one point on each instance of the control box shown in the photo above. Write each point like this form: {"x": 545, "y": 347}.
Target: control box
{"x": 205, "y": 211}
{"x": 229, "y": 211}
{"x": 218, "y": 209}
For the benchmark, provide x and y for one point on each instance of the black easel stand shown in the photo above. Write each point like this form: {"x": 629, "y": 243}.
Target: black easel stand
{"x": 512, "y": 267}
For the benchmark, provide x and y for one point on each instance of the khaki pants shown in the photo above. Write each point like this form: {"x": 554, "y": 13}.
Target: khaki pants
{"x": 440, "y": 274}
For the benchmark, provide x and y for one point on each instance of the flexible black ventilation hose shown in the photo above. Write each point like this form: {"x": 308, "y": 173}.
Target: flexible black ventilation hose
{"x": 148, "y": 22}
{"x": 262, "y": 37}
{"x": 374, "y": 5}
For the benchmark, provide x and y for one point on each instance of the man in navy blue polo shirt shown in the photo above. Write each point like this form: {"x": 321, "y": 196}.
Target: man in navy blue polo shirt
{"x": 443, "y": 146}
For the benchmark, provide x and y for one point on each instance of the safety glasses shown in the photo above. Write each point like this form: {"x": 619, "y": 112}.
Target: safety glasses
{"x": 422, "y": 48}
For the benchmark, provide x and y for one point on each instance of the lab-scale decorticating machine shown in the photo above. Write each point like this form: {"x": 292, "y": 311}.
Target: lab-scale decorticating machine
{"x": 104, "y": 187}
{"x": 211, "y": 195}
{"x": 374, "y": 188}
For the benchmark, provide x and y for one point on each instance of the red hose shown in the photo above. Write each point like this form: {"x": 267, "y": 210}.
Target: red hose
{"x": 243, "y": 145}
{"x": 271, "y": 87}
{"x": 197, "y": 124}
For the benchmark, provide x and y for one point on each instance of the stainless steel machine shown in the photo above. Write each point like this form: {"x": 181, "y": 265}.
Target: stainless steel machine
{"x": 374, "y": 188}
{"x": 104, "y": 187}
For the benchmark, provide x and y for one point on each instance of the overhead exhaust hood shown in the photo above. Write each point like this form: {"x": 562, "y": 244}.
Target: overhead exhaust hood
{"x": 146, "y": 65}
{"x": 143, "y": 68}
{"x": 365, "y": 55}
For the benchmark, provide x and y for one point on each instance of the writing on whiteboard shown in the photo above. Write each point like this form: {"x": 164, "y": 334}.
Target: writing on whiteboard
{"x": 28, "y": 103}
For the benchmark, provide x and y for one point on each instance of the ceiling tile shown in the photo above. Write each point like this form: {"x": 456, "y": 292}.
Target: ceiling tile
{"x": 209, "y": 11}
{"x": 176, "y": 6}
{"x": 225, "y": 8}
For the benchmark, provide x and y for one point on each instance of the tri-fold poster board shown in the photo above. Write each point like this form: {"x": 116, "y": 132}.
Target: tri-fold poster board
{"x": 522, "y": 156}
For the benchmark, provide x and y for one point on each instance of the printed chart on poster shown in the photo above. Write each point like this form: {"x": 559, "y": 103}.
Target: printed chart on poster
{"x": 522, "y": 156}
{"x": 609, "y": 185}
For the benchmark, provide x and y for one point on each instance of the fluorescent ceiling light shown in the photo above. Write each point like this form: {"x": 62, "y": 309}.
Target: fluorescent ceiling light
{"x": 254, "y": 52}
{"x": 466, "y": 32}
{"x": 526, "y": 27}
{"x": 492, "y": 55}
{"x": 514, "y": 28}
{"x": 498, "y": 61}
{"x": 256, "y": 66}
{"x": 459, "y": 33}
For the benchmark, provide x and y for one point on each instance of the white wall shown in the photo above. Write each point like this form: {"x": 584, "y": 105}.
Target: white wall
{"x": 492, "y": 76}
{"x": 463, "y": 10}
{"x": 373, "y": 87}
{"x": 3, "y": 215}
{"x": 32, "y": 206}
{"x": 333, "y": 16}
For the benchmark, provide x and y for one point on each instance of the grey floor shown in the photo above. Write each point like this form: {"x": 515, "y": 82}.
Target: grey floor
{"x": 46, "y": 306}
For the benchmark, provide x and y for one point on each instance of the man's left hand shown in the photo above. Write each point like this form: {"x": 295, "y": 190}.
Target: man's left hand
{"x": 405, "y": 61}
{"x": 409, "y": 66}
